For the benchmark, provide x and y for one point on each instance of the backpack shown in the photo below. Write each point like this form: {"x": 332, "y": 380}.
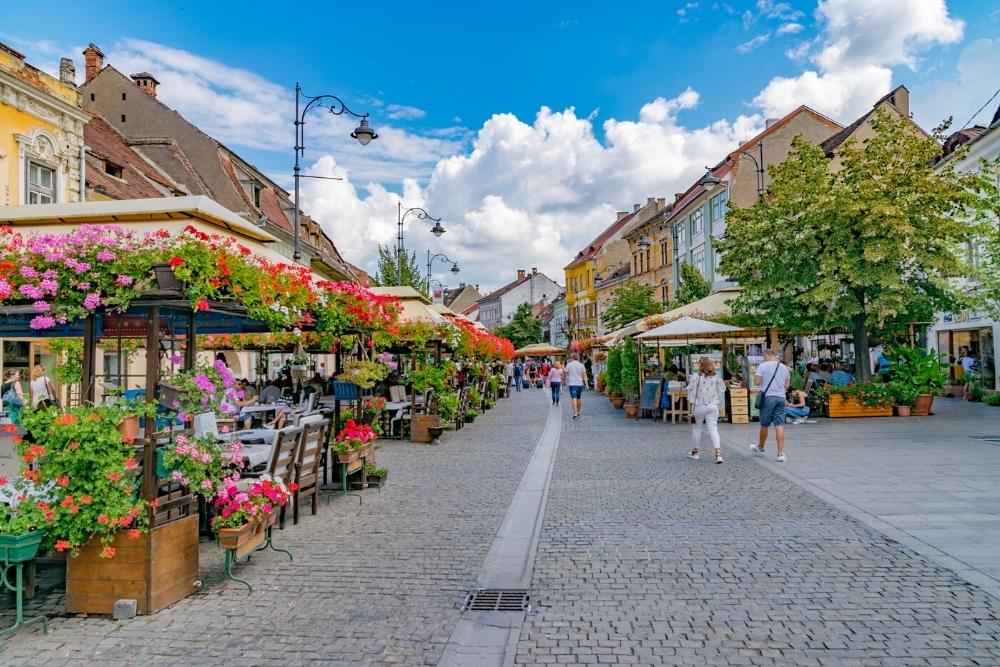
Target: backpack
{"x": 518, "y": 369}
{"x": 531, "y": 366}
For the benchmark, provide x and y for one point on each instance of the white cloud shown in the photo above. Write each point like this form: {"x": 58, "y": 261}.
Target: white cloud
{"x": 759, "y": 40}
{"x": 961, "y": 96}
{"x": 789, "y": 28}
{"x": 860, "y": 41}
{"x": 683, "y": 11}
{"x": 403, "y": 112}
{"x": 778, "y": 10}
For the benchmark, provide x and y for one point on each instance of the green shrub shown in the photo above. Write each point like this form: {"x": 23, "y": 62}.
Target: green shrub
{"x": 614, "y": 371}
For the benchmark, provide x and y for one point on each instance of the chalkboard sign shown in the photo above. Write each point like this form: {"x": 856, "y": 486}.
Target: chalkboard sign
{"x": 650, "y": 398}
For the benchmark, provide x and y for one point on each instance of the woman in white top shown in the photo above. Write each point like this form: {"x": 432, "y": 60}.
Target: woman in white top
{"x": 41, "y": 387}
{"x": 706, "y": 396}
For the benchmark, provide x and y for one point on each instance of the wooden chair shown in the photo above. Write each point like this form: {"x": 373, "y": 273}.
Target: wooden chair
{"x": 310, "y": 453}
{"x": 463, "y": 404}
{"x": 397, "y": 393}
{"x": 283, "y": 457}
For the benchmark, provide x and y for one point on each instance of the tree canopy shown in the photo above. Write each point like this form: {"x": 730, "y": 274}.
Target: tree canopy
{"x": 693, "y": 285}
{"x": 870, "y": 246}
{"x": 388, "y": 273}
{"x": 523, "y": 328}
{"x": 629, "y": 302}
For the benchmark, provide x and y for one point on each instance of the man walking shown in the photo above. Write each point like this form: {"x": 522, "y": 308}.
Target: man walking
{"x": 576, "y": 378}
{"x": 518, "y": 372}
{"x": 773, "y": 377}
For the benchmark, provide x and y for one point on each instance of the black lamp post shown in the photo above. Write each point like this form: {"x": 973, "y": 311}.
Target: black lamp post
{"x": 430, "y": 260}
{"x": 363, "y": 133}
{"x": 437, "y": 230}
{"x": 710, "y": 181}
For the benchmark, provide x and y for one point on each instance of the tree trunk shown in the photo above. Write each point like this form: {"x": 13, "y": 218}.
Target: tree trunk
{"x": 862, "y": 364}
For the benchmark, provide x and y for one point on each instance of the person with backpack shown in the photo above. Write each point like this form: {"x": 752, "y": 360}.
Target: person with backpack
{"x": 518, "y": 372}
{"x": 532, "y": 371}
{"x": 12, "y": 395}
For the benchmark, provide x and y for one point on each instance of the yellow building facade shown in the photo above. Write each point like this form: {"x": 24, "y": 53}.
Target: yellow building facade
{"x": 41, "y": 133}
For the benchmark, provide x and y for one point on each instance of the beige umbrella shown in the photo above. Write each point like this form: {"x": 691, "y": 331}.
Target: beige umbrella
{"x": 540, "y": 350}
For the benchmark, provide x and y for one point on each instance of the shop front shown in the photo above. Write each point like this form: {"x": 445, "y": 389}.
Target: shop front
{"x": 970, "y": 335}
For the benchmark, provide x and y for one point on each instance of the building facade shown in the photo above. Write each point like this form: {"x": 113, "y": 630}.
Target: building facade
{"x": 534, "y": 288}
{"x": 41, "y": 133}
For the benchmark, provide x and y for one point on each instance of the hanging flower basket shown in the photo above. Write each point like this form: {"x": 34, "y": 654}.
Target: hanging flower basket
{"x": 165, "y": 278}
{"x": 20, "y": 548}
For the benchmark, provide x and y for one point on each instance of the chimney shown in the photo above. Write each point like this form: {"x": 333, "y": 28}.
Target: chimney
{"x": 534, "y": 270}
{"x": 661, "y": 203}
{"x": 461, "y": 285}
{"x": 900, "y": 98}
{"x": 67, "y": 72}
{"x": 147, "y": 83}
{"x": 650, "y": 201}
{"x": 677, "y": 196}
{"x": 95, "y": 60}
{"x": 520, "y": 274}
{"x": 770, "y": 121}
{"x": 636, "y": 207}
{"x": 621, "y": 214}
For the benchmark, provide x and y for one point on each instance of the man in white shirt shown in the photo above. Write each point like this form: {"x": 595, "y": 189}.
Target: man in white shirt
{"x": 773, "y": 378}
{"x": 576, "y": 378}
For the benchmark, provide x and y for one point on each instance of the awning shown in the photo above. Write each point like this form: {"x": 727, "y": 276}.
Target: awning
{"x": 540, "y": 350}
{"x": 692, "y": 327}
{"x": 414, "y": 306}
{"x": 713, "y": 305}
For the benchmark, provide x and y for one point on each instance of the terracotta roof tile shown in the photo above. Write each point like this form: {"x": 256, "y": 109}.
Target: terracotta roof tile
{"x": 595, "y": 246}
{"x": 139, "y": 179}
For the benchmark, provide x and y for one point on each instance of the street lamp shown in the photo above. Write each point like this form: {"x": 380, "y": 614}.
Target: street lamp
{"x": 710, "y": 181}
{"x": 363, "y": 133}
{"x": 437, "y": 230}
{"x": 430, "y": 260}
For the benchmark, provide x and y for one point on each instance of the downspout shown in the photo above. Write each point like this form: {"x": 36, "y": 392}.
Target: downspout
{"x": 83, "y": 171}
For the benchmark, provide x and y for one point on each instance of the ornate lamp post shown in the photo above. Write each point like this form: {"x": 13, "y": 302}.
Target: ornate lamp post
{"x": 710, "y": 181}
{"x": 430, "y": 260}
{"x": 364, "y": 133}
{"x": 437, "y": 230}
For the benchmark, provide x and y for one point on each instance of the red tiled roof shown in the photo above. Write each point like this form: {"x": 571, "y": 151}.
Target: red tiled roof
{"x": 139, "y": 179}
{"x": 272, "y": 210}
{"x": 496, "y": 294}
{"x": 595, "y": 246}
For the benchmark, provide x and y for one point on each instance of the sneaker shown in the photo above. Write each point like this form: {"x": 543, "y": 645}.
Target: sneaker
{"x": 718, "y": 459}
{"x": 694, "y": 455}
{"x": 800, "y": 420}
{"x": 575, "y": 415}
{"x": 756, "y": 450}
{"x": 781, "y": 458}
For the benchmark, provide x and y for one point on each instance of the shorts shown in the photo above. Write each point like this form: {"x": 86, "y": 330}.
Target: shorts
{"x": 575, "y": 391}
{"x": 772, "y": 412}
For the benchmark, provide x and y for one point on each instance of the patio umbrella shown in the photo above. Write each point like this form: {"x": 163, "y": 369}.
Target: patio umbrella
{"x": 540, "y": 350}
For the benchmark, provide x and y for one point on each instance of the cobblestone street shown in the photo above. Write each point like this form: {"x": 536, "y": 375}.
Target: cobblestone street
{"x": 644, "y": 557}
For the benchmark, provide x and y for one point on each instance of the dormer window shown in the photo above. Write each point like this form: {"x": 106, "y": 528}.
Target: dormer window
{"x": 112, "y": 169}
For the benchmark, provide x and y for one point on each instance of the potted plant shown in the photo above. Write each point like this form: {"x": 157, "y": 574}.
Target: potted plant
{"x": 599, "y": 382}
{"x": 921, "y": 369}
{"x": 975, "y": 391}
{"x": 447, "y": 406}
{"x": 856, "y": 400}
{"x": 614, "y": 377}
{"x": 993, "y": 398}
{"x": 352, "y": 443}
{"x": 244, "y": 510}
{"x": 376, "y": 475}
{"x": 630, "y": 377}
{"x": 904, "y": 395}
{"x": 471, "y": 414}
{"x": 365, "y": 374}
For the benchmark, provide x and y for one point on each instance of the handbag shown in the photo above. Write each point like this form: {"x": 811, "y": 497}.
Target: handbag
{"x": 759, "y": 401}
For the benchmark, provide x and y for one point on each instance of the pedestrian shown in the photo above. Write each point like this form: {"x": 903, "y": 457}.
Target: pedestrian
{"x": 588, "y": 366}
{"x": 532, "y": 371}
{"x": 706, "y": 395}
{"x": 774, "y": 377}
{"x": 555, "y": 381}
{"x": 40, "y": 386}
{"x": 321, "y": 372}
{"x": 518, "y": 371}
{"x": 546, "y": 367}
{"x": 12, "y": 396}
{"x": 576, "y": 379}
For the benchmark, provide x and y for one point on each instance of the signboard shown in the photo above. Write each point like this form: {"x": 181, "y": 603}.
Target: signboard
{"x": 437, "y": 295}
{"x": 650, "y": 397}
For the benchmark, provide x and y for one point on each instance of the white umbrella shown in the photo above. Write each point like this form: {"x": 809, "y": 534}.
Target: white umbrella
{"x": 689, "y": 327}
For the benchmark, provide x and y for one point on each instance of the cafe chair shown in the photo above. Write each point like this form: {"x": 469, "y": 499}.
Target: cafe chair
{"x": 311, "y": 445}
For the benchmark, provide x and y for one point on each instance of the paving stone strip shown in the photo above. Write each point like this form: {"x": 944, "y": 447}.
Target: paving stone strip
{"x": 490, "y": 638}
{"x": 646, "y": 557}
{"x": 381, "y": 583}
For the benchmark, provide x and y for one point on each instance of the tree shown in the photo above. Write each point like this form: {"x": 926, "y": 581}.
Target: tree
{"x": 388, "y": 271}
{"x": 523, "y": 328}
{"x": 629, "y": 302}
{"x": 693, "y": 285}
{"x": 870, "y": 246}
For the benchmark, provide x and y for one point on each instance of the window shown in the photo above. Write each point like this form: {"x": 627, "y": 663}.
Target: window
{"x": 698, "y": 259}
{"x": 41, "y": 184}
{"x": 123, "y": 118}
{"x": 112, "y": 169}
{"x": 664, "y": 293}
{"x": 719, "y": 207}
{"x": 649, "y": 257}
{"x": 697, "y": 223}
{"x": 682, "y": 237}
{"x": 664, "y": 253}
{"x": 255, "y": 189}
{"x": 123, "y": 97}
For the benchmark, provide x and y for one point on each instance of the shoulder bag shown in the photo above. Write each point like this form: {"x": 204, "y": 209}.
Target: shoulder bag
{"x": 11, "y": 398}
{"x": 759, "y": 402}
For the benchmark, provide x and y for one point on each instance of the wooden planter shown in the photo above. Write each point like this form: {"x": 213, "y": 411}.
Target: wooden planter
{"x": 247, "y": 538}
{"x": 631, "y": 410}
{"x": 850, "y": 406}
{"x": 155, "y": 570}
{"x": 922, "y": 406}
{"x": 419, "y": 426}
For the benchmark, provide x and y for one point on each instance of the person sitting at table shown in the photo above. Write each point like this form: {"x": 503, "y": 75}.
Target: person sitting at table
{"x": 315, "y": 386}
{"x": 795, "y": 406}
{"x": 841, "y": 378}
{"x": 249, "y": 398}
{"x": 271, "y": 393}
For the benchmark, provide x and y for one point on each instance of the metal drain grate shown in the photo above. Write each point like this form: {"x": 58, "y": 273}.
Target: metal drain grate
{"x": 497, "y": 599}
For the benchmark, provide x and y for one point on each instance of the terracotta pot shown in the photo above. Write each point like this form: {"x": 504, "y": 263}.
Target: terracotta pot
{"x": 617, "y": 402}
{"x": 349, "y": 457}
{"x": 129, "y": 427}
{"x": 631, "y": 410}
{"x": 922, "y": 406}
{"x": 903, "y": 410}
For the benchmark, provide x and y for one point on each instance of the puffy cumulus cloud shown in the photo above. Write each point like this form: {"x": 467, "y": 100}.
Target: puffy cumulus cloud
{"x": 859, "y": 43}
{"x": 532, "y": 194}
{"x": 960, "y": 96}
{"x": 790, "y": 28}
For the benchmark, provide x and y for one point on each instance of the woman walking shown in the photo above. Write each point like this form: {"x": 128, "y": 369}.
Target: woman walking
{"x": 706, "y": 396}
{"x": 40, "y": 386}
{"x": 555, "y": 381}
{"x": 12, "y": 395}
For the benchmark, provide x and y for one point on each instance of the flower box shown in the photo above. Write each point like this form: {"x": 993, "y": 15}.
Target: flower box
{"x": 850, "y": 406}
{"x": 20, "y": 548}
{"x": 245, "y": 539}
{"x": 349, "y": 456}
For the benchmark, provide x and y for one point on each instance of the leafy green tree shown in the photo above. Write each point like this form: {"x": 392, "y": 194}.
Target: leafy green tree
{"x": 523, "y": 328}
{"x": 693, "y": 285}
{"x": 629, "y": 302}
{"x": 388, "y": 272}
{"x": 870, "y": 246}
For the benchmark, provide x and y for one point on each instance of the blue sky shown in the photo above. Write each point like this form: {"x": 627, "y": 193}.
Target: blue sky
{"x": 641, "y": 95}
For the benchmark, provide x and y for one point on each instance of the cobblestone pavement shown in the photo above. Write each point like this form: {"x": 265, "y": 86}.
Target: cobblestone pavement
{"x": 377, "y": 584}
{"x": 647, "y": 557}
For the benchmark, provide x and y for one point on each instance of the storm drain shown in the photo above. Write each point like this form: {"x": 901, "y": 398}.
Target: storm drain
{"x": 497, "y": 599}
